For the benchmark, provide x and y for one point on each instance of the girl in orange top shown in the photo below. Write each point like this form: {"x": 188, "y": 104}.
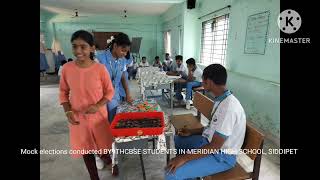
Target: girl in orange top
{"x": 85, "y": 88}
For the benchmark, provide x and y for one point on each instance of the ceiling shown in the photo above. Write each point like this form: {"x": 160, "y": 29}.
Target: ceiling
{"x": 86, "y": 7}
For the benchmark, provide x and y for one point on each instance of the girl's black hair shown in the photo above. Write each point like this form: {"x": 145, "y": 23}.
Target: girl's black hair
{"x": 87, "y": 37}
{"x": 128, "y": 55}
{"x": 120, "y": 39}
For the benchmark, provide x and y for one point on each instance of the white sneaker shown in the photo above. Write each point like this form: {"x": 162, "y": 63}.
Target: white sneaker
{"x": 188, "y": 104}
{"x": 99, "y": 163}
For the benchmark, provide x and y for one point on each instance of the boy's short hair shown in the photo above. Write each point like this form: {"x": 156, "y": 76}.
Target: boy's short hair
{"x": 144, "y": 57}
{"x": 179, "y": 57}
{"x": 157, "y": 57}
{"x": 191, "y": 61}
{"x": 167, "y": 54}
{"x": 215, "y": 72}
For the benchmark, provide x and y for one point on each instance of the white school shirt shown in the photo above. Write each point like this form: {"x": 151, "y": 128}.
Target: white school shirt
{"x": 182, "y": 68}
{"x": 144, "y": 64}
{"x": 168, "y": 62}
{"x": 198, "y": 74}
{"x": 228, "y": 120}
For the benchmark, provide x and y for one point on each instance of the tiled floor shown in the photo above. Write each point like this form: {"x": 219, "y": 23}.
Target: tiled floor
{"x": 54, "y": 135}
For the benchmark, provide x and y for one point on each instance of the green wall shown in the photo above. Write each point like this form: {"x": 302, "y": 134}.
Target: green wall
{"x": 172, "y": 21}
{"x": 147, "y": 27}
{"x": 254, "y": 79}
{"x": 46, "y": 27}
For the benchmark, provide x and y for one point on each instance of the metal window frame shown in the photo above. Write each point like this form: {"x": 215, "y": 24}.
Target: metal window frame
{"x": 211, "y": 39}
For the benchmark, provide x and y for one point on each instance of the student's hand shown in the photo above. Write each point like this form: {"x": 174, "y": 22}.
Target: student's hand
{"x": 92, "y": 109}
{"x": 71, "y": 119}
{"x": 184, "y": 132}
{"x": 129, "y": 98}
{"x": 175, "y": 163}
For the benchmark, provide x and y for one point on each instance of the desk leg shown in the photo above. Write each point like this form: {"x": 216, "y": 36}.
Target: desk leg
{"x": 162, "y": 94}
{"x": 120, "y": 166}
{"x": 171, "y": 96}
{"x": 168, "y": 138}
{"x": 142, "y": 167}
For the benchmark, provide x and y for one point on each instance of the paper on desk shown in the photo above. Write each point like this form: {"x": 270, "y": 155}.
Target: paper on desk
{"x": 174, "y": 77}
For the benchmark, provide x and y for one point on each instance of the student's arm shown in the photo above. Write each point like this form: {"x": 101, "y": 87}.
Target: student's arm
{"x": 173, "y": 73}
{"x": 64, "y": 91}
{"x": 108, "y": 92}
{"x": 190, "y": 76}
{"x": 189, "y": 132}
{"x": 126, "y": 88}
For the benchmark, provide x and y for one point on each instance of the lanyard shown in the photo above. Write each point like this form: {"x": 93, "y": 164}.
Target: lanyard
{"x": 220, "y": 98}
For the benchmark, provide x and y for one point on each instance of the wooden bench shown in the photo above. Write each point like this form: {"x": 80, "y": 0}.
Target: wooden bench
{"x": 253, "y": 140}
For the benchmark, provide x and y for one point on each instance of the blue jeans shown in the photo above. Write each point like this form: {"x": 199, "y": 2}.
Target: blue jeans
{"x": 211, "y": 164}
{"x": 188, "y": 86}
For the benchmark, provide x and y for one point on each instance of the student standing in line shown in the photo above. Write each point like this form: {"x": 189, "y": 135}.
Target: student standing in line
{"x": 85, "y": 88}
{"x": 113, "y": 58}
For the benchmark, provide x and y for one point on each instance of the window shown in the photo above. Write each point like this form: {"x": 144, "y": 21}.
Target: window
{"x": 167, "y": 42}
{"x": 214, "y": 40}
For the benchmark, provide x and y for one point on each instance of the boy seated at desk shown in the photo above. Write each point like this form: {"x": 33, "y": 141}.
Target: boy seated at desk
{"x": 157, "y": 62}
{"x": 194, "y": 79}
{"x": 179, "y": 69}
{"x": 167, "y": 62}
{"x": 144, "y": 62}
{"x": 223, "y": 137}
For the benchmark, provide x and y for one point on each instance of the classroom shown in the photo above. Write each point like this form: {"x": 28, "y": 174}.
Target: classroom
{"x": 161, "y": 76}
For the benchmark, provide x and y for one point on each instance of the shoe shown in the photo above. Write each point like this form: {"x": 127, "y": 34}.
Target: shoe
{"x": 188, "y": 104}
{"x": 99, "y": 163}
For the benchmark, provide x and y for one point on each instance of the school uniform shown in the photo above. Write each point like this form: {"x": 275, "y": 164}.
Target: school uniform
{"x": 183, "y": 71}
{"x": 146, "y": 64}
{"x": 125, "y": 62}
{"x": 228, "y": 121}
{"x": 197, "y": 74}
{"x": 115, "y": 68}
